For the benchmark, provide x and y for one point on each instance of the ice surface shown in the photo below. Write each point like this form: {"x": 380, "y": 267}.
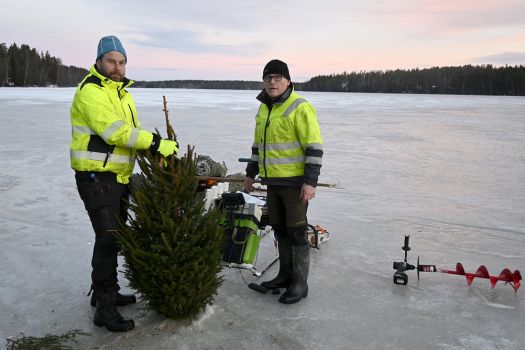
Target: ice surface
{"x": 448, "y": 170}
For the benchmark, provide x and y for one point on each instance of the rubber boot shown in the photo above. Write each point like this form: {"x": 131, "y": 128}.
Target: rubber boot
{"x": 107, "y": 314}
{"x": 284, "y": 277}
{"x": 122, "y": 299}
{"x": 301, "y": 265}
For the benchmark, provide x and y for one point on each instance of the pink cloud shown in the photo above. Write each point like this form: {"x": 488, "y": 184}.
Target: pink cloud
{"x": 430, "y": 18}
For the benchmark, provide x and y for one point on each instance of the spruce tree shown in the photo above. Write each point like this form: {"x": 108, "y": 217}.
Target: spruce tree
{"x": 172, "y": 246}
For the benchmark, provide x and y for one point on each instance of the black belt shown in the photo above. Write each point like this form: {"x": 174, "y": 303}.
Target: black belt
{"x": 95, "y": 176}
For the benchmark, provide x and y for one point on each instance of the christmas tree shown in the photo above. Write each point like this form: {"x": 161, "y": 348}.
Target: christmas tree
{"x": 172, "y": 246}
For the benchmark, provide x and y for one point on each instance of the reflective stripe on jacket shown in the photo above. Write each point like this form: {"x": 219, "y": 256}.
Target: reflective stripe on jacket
{"x": 287, "y": 141}
{"x": 104, "y": 126}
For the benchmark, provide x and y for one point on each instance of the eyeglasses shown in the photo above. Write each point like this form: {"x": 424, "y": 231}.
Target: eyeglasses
{"x": 276, "y": 77}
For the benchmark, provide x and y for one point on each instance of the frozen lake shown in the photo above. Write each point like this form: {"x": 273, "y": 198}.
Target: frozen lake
{"x": 448, "y": 170}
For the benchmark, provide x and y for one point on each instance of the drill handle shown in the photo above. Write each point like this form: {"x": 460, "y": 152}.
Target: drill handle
{"x": 406, "y": 248}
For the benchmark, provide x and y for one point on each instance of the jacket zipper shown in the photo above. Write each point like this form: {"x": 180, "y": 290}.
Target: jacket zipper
{"x": 108, "y": 153}
{"x": 264, "y": 140}
{"x": 112, "y": 147}
{"x": 132, "y": 116}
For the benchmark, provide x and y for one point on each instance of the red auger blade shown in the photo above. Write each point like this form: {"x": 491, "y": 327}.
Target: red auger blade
{"x": 517, "y": 279}
{"x": 505, "y": 275}
{"x": 508, "y": 277}
{"x": 459, "y": 270}
{"x": 514, "y": 279}
{"x": 481, "y": 272}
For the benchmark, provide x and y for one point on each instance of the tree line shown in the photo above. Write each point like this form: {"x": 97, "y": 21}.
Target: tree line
{"x": 201, "y": 84}
{"x": 25, "y": 66}
{"x": 464, "y": 80}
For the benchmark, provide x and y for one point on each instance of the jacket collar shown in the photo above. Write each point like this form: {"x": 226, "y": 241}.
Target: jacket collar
{"x": 267, "y": 100}
{"x": 119, "y": 85}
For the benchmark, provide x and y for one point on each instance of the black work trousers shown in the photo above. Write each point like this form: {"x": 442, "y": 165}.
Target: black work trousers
{"x": 287, "y": 213}
{"x": 106, "y": 202}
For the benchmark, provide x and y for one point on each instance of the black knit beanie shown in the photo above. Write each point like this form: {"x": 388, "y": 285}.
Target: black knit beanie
{"x": 276, "y": 67}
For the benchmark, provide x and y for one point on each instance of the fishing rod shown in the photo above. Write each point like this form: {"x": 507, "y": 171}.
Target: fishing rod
{"x": 214, "y": 179}
{"x": 400, "y": 277}
{"x": 249, "y": 160}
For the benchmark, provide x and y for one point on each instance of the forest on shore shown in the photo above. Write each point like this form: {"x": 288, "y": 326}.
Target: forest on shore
{"x": 25, "y": 66}
{"x": 463, "y": 80}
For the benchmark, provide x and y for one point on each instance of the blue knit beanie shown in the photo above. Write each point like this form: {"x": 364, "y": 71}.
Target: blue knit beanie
{"x": 110, "y": 43}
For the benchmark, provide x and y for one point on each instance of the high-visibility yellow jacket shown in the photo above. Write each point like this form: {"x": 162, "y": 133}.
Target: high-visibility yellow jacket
{"x": 105, "y": 131}
{"x": 288, "y": 146}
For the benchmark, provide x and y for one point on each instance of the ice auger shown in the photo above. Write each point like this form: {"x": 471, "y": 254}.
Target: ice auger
{"x": 400, "y": 277}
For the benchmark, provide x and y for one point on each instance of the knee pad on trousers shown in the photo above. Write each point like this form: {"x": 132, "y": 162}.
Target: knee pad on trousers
{"x": 298, "y": 235}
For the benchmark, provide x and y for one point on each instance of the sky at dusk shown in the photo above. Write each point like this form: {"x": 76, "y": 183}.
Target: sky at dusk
{"x": 233, "y": 39}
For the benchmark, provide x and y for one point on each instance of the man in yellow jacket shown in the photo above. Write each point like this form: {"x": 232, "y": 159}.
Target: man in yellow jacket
{"x": 286, "y": 153}
{"x": 106, "y": 135}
